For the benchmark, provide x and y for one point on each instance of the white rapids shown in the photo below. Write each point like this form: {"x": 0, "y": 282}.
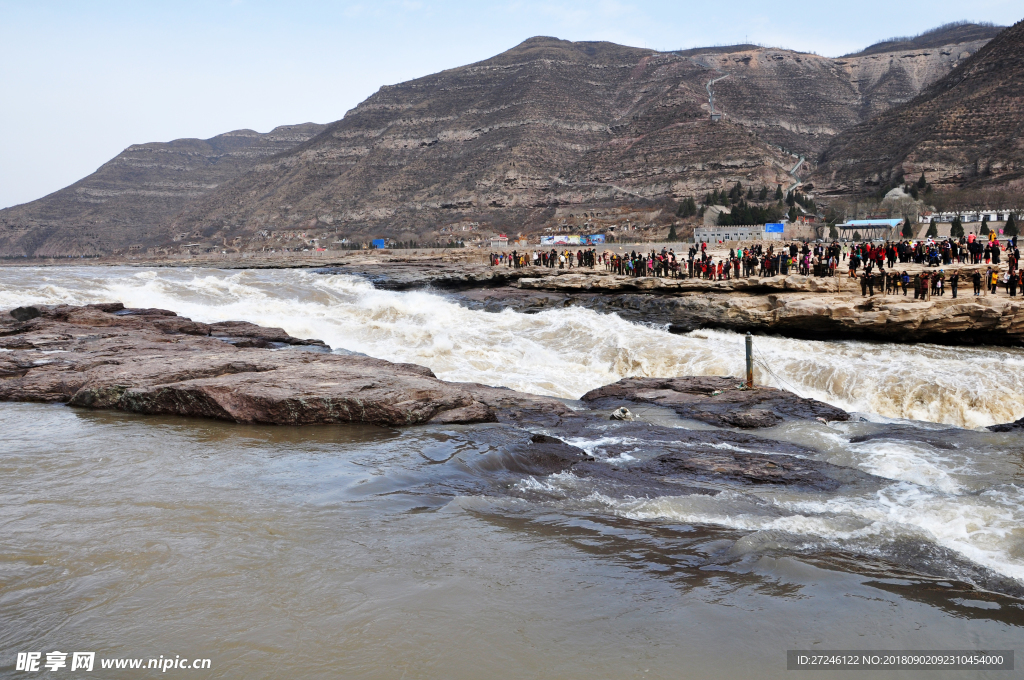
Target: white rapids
{"x": 964, "y": 499}
{"x": 561, "y": 352}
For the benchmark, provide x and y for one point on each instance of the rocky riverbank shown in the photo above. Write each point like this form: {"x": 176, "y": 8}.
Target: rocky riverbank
{"x": 151, "y": 361}
{"x": 795, "y": 306}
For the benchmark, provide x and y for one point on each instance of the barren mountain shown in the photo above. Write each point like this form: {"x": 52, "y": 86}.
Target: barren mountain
{"x": 553, "y": 123}
{"x": 544, "y": 130}
{"x": 127, "y": 200}
{"x": 942, "y": 36}
{"x": 966, "y": 128}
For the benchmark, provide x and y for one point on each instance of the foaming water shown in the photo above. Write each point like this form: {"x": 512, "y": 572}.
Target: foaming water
{"x": 961, "y": 499}
{"x": 559, "y": 352}
{"x": 371, "y": 521}
{"x": 360, "y": 552}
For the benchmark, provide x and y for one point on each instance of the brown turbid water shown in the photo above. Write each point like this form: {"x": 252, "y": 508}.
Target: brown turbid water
{"x": 363, "y": 552}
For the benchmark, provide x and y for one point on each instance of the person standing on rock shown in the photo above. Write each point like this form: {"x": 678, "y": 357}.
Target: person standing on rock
{"x": 954, "y": 281}
{"x": 905, "y": 281}
{"x": 976, "y": 278}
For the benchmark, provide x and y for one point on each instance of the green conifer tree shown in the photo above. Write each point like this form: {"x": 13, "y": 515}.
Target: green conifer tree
{"x": 672, "y": 233}
{"x": 763, "y": 195}
{"x": 933, "y": 230}
{"x": 956, "y": 230}
{"x": 908, "y": 229}
{"x": 1011, "y": 226}
{"x": 984, "y": 226}
{"x": 922, "y": 183}
{"x": 778, "y": 193}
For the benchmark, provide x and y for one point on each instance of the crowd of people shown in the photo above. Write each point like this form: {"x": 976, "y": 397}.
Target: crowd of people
{"x": 875, "y": 265}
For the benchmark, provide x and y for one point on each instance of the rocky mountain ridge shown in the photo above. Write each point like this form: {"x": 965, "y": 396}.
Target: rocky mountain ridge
{"x": 132, "y": 196}
{"x": 510, "y": 140}
{"x": 546, "y": 132}
{"x": 964, "y": 129}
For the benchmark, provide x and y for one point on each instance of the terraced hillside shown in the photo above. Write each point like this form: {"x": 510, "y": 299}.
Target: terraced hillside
{"x": 509, "y": 143}
{"x": 553, "y": 123}
{"x": 965, "y": 129}
{"x": 130, "y": 198}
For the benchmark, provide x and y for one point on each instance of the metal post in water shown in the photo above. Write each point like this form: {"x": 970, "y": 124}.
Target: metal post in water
{"x": 750, "y": 361}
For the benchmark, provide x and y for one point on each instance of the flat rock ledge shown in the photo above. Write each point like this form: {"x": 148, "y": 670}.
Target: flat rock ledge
{"x": 983, "y": 320}
{"x": 594, "y": 281}
{"x": 153, "y": 361}
{"x": 1015, "y": 426}
{"x": 724, "y": 402}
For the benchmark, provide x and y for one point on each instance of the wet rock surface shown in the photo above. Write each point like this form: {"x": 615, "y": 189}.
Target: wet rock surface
{"x": 431, "y": 274}
{"x": 641, "y": 458}
{"x": 153, "y": 361}
{"x": 724, "y": 402}
{"x": 969, "y": 320}
{"x": 1015, "y": 426}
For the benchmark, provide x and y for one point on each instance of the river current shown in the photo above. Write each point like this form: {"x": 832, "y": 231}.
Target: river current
{"x": 367, "y": 552}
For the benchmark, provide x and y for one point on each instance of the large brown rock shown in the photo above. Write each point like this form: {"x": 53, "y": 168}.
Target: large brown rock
{"x": 715, "y": 400}
{"x": 795, "y": 306}
{"x": 152, "y": 361}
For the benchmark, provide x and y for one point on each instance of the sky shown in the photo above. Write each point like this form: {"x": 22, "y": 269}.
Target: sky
{"x": 82, "y": 80}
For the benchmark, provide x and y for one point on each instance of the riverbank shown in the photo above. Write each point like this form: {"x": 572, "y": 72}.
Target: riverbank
{"x": 153, "y": 362}
{"x": 793, "y": 306}
{"x": 696, "y": 437}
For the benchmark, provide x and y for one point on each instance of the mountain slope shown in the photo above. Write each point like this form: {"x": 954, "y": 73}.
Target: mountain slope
{"x": 966, "y": 128}
{"x": 127, "y": 199}
{"x": 523, "y": 139}
{"x": 553, "y": 123}
{"x": 941, "y": 36}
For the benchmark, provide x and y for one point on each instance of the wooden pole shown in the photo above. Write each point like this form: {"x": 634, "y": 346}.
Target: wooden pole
{"x": 750, "y": 361}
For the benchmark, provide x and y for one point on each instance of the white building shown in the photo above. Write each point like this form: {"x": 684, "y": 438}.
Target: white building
{"x": 969, "y": 216}
{"x": 744, "y": 232}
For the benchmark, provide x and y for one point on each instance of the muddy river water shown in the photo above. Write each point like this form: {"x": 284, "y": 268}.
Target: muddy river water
{"x": 364, "y": 552}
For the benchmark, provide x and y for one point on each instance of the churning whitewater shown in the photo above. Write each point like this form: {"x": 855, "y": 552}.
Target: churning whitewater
{"x": 954, "y": 497}
{"x": 562, "y": 352}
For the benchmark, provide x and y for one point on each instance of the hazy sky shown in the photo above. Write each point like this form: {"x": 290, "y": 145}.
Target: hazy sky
{"x": 80, "y": 81}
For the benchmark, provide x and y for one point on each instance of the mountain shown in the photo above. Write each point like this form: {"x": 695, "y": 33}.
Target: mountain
{"x": 942, "y": 36}
{"x": 546, "y": 132}
{"x": 129, "y": 198}
{"x": 550, "y": 128}
{"x": 967, "y": 128}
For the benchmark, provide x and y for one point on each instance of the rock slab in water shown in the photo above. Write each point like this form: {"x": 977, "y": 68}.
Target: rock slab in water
{"x": 1015, "y": 426}
{"x": 792, "y": 309}
{"x": 717, "y": 401}
{"x": 153, "y": 361}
